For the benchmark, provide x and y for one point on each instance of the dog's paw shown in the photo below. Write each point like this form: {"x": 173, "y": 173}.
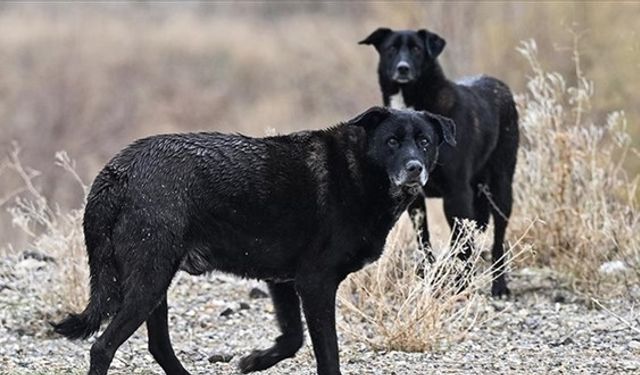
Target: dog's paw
{"x": 250, "y": 362}
{"x": 258, "y": 360}
{"x": 499, "y": 289}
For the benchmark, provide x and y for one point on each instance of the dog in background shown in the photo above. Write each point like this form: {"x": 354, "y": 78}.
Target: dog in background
{"x": 300, "y": 211}
{"x": 474, "y": 179}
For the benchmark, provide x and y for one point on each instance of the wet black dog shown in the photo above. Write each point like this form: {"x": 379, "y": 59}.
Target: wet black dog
{"x": 300, "y": 211}
{"x": 475, "y": 178}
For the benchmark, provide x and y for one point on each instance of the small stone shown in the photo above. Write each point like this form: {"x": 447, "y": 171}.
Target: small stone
{"x": 256, "y": 293}
{"x": 613, "y": 267}
{"x": 37, "y": 255}
{"x": 559, "y": 298}
{"x": 630, "y": 366}
{"x": 634, "y": 344}
{"x": 566, "y": 341}
{"x": 226, "y": 312}
{"x": 220, "y": 357}
{"x": 532, "y": 322}
{"x": 244, "y": 306}
{"x": 29, "y": 264}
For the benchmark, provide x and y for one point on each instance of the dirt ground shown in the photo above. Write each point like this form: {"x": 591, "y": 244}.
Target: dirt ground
{"x": 541, "y": 328}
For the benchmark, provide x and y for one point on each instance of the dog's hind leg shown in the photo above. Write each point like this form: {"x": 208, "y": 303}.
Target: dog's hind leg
{"x": 287, "y": 306}
{"x": 502, "y": 200}
{"x": 145, "y": 284}
{"x": 482, "y": 210}
{"x": 317, "y": 290}
{"x": 458, "y": 205}
{"x": 159, "y": 341}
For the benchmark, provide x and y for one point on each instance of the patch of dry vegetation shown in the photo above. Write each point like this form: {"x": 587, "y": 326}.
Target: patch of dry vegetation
{"x": 390, "y": 306}
{"x": 570, "y": 176}
{"x": 53, "y": 233}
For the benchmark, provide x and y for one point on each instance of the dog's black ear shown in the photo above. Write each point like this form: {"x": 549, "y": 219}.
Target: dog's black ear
{"x": 376, "y": 37}
{"x": 370, "y": 118}
{"x": 446, "y": 127}
{"x": 433, "y": 43}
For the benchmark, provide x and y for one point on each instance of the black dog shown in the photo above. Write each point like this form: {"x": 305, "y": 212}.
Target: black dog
{"x": 300, "y": 211}
{"x": 475, "y": 178}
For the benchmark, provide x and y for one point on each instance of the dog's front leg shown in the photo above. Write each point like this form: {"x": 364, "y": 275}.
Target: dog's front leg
{"x": 318, "y": 294}
{"x": 458, "y": 205}
{"x": 287, "y": 306}
{"x": 418, "y": 213}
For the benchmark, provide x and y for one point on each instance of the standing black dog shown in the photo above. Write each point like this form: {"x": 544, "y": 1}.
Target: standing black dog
{"x": 300, "y": 211}
{"x": 475, "y": 178}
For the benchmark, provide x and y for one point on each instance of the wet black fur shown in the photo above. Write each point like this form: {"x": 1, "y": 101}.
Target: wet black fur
{"x": 300, "y": 211}
{"x": 483, "y": 163}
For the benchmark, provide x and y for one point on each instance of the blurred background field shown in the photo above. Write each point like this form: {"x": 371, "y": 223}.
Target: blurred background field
{"x": 89, "y": 78}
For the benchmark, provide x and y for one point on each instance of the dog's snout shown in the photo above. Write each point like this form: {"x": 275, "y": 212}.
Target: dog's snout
{"x": 403, "y": 67}
{"x": 414, "y": 168}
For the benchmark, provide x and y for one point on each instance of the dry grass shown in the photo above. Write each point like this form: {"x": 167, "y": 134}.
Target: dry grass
{"x": 403, "y": 311}
{"x": 570, "y": 175}
{"x": 55, "y": 233}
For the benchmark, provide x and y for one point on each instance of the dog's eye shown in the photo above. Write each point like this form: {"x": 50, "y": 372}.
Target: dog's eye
{"x": 392, "y": 49}
{"x": 393, "y": 143}
{"x": 416, "y": 49}
{"x": 423, "y": 142}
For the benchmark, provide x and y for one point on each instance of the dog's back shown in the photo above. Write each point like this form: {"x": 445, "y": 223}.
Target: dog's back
{"x": 488, "y": 120}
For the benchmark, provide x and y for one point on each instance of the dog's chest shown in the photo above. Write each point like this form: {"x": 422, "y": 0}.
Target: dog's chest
{"x": 364, "y": 255}
{"x": 396, "y": 101}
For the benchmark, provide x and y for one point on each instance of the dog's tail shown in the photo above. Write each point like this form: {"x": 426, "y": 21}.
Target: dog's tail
{"x": 101, "y": 212}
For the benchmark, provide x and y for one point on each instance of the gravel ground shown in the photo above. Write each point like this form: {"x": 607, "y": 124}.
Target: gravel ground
{"x": 540, "y": 329}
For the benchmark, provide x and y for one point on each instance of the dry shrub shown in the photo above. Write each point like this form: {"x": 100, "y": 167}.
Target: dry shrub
{"x": 54, "y": 233}
{"x": 404, "y": 311}
{"x": 570, "y": 175}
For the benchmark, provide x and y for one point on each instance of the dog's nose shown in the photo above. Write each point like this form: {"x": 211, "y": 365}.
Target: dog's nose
{"x": 414, "y": 168}
{"x": 403, "y": 68}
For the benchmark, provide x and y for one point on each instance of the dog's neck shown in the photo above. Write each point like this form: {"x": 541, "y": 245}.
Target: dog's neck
{"x": 432, "y": 91}
{"x": 370, "y": 181}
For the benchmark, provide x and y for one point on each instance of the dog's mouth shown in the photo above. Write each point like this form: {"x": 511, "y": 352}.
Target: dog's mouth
{"x": 402, "y": 180}
{"x": 402, "y": 79}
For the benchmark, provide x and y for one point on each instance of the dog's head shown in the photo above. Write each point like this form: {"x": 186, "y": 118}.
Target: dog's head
{"x": 405, "y": 55}
{"x": 404, "y": 143}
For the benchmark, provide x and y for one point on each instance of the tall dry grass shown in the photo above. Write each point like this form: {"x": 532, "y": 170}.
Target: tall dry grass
{"x": 570, "y": 176}
{"x": 55, "y": 234}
